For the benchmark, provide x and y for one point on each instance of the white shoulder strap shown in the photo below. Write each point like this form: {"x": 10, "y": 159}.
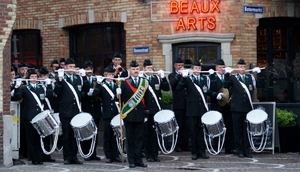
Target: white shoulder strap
{"x": 75, "y": 94}
{"x": 36, "y": 99}
{"x": 202, "y": 96}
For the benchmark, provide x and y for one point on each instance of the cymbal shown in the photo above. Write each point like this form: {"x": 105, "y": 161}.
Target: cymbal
{"x": 225, "y": 98}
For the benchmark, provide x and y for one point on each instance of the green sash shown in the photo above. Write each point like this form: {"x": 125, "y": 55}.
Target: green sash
{"x": 136, "y": 98}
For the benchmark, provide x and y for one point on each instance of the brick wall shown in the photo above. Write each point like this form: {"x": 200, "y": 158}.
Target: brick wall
{"x": 7, "y": 17}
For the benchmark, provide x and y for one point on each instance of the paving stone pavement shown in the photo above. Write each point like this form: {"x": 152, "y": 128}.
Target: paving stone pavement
{"x": 176, "y": 161}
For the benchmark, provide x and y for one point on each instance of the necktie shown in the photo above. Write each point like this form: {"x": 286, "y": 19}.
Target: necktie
{"x": 149, "y": 79}
{"x": 90, "y": 80}
{"x": 198, "y": 79}
{"x": 71, "y": 79}
{"x": 243, "y": 78}
{"x": 222, "y": 78}
{"x": 111, "y": 85}
{"x": 135, "y": 82}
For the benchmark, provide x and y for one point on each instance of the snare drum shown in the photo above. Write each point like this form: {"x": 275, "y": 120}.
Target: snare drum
{"x": 44, "y": 123}
{"x": 165, "y": 122}
{"x": 213, "y": 123}
{"x": 115, "y": 124}
{"x": 56, "y": 117}
{"x": 84, "y": 126}
{"x": 257, "y": 122}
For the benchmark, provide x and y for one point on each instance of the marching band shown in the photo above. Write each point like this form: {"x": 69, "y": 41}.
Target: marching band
{"x": 128, "y": 101}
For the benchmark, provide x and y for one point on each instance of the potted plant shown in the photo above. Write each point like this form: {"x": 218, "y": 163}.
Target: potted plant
{"x": 288, "y": 136}
{"x": 166, "y": 100}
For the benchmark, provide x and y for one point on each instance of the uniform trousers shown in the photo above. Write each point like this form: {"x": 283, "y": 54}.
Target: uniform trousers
{"x": 69, "y": 142}
{"x": 109, "y": 141}
{"x": 240, "y": 132}
{"x": 150, "y": 141}
{"x": 197, "y": 135}
{"x": 183, "y": 134}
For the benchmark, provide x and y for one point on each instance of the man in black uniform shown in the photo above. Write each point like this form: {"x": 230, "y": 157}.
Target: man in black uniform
{"x": 117, "y": 65}
{"x": 242, "y": 86}
{"x": 196, "y": 87}
{"x": 157, "y": 83}
{"x": 216, "y": 84}
{"x": 106, "y": 89}
{"x": 134, "y": 92}
{"x": 68, "y": 108}
{"x": 91, "y": 105}
{"x": 179, "y": 106}
{"x": 53, "y": 66}
{"x": 62, "y": 62}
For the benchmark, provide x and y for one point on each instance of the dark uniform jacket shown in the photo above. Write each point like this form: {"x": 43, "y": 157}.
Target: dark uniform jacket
{"x": 179, "y": 96}
{"x": 239, "y": 100}
{"x": 157, "y": 85}
{"x": 195, "y": 103}
{"x": 138, "y": 113}
{"x": 68, "y": 105}
{"x": 108, "y": 103}
{"x": 90, "y": 104}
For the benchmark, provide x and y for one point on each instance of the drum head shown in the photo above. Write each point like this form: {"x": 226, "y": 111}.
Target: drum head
{"x": 257, "y": 116}
{"x": 81, "y": 119}
{"x": 40, "y": 116}
{"x": 163, "y": 116}
{"x": 211, "y": 117}
{"x": 116, "y": 121}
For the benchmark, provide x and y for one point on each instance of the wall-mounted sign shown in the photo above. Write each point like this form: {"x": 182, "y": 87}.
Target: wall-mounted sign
{"x": 192, "y": 8}
{"x": 141, "y": 50}
{"x": 253, "y": 9}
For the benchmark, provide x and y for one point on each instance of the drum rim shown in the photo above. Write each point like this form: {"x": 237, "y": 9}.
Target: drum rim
{"x": 209, "y": 113}
{"x": 252, "y": 112}
{"x": 76, "y": 116}
{"x": 45, "y": 113}
{"x": 161, "y": 111}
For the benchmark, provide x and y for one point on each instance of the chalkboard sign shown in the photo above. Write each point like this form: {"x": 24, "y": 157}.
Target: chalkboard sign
{"x": 269, "y": 108}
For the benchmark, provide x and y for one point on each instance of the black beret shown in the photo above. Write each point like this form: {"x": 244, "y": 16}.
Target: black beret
{"x": 109, "y": 69}
{"x": 31, "y": 66}
{"x": 12, "y": 68}
{"x": 43, "y": 70}
{"x": 220, "y": 62}
{"x": 134, "y": 63}
{"x": 22, "y": 65}
{"x": 59, "y": 67}
{"x": 196, "y": 63}
{"x": 178, "y": 60}
{"x": 241, "y": 62}
{"x": 117, "y": 55}
{"x": 147, "y": 62}
{"x": 62, "y": 60}
{"x": 54, "y": 62}
{"x": 87, "y": 63}
{"x": 31, "y": 72}
{"x": 187, "y": 63}
{"x": 69, "y": 61}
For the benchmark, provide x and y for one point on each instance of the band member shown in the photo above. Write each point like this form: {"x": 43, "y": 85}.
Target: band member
{"x": 179, "y": 106}
{"x": 33, "y": 97}
{"x": 68, "y": 108}
{"x": 91, "y": 105}
{"x": 106, "y": 89}
{"x": 216, "y": 84}
{"x": 242, "y": 86}
{"x": 12, "y": 83}
{"x": 134, "y": 91}
{"x": 62, "y": 62}
{"x": 53, "y": 66}
{"x": 196, "y": 87}
{"x": 117, "y": 65}
{"x": 157, "y": 83}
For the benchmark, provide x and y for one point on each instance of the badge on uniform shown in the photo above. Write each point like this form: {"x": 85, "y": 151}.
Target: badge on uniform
{"x": 204, "y": 88}
{"x": 79, "y": 87}
{"x": 156, "y": 86}
{"x": 42, "y": 96}
{"x": 131, "y": 103}
{"x": 250, "y": 87}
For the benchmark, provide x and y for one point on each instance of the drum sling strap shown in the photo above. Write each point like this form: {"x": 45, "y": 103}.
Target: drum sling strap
{"x": 112, "y": 95}
{"x": 136, "y": 98}
{"x": 75, "y": 95}
{"x": 247, "y": 91}
{"x": 36, "y": 99}
{"x": 152, "y": 91}
{"x": 202, "y": 96}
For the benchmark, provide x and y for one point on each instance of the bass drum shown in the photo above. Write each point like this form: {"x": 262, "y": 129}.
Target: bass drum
{"x": 44, "y": 123}
{"x": 84, "y": 126}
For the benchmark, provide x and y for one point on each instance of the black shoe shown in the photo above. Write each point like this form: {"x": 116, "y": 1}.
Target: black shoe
{"x": 240, "y": 155}
{"x": 131, "y": 165}
{"x": 109, "y": 160}
{"x": 194, "y": 157}
{"x": 41, "y": 163}
{"x": 178, "y": 149}
{"x": 248, "y": 155}
{"x": 49, "y": 160}
{"x": 95, "y": 158}
{"x": 203, "y": 156}
{"x": 140, "y": 165}
{"x": 87, "y": 159}
{"x": 118, "y": 160}
{"x": 156, "y": 160}
{"x": 67, "y": 162}
{"x": 230, "y": 152}
{"x": 150, "y": 159}
{"x": 35, "y": 163}
{"x": 76, "y": 161}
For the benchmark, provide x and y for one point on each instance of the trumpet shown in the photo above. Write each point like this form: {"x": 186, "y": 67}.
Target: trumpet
{"x": 120, "y": 69}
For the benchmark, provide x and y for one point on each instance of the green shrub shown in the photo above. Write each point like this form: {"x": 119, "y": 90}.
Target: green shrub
{"x": 286, "y": 118}
{"x": 166, "y": 98}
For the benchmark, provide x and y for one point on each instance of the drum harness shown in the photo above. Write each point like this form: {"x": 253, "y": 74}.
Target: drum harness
{"x": 56, "y": 130}
{"x": 78, "y": 139}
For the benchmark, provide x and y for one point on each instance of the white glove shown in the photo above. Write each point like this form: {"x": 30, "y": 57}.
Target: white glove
{"x": 90, "y": 93}
{"x": 228, "y": 69}
{"x": 119, "y": 91}
{"x": 18, "y": 82}
{"x": 12, "y": 93}
{"x": 220, "y": 96}
{"x": 161, "y": 73}
{"x": 190, "y": 71}
{"x": 211, "y": 71}
{"x": 141, "y": 73}
{"x": 61, "y": 73}
{"x": 81, "y": 72}
{"x": 185, "y": 73}
{"x": 146, "y": 119}
{"x": 256, "y": 69}
{"x": 99, "y": 79}
{"x": 48, "y": 81}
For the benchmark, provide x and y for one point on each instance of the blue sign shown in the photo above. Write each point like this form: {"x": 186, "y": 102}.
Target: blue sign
{"x": 253, "y": 9}
{"x": 141, "y": 50}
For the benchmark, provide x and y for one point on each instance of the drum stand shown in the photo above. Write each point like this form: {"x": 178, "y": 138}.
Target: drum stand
{"x": 210, "y": 137}
{"x": 91, "y": 148}
{"x": 263, "y": 142}
{"x": 162, "y": 146}
{"x": 54, "y": 143}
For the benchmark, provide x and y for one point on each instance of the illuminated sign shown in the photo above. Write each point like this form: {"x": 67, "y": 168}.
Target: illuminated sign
{"x": 195, "y": 7}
